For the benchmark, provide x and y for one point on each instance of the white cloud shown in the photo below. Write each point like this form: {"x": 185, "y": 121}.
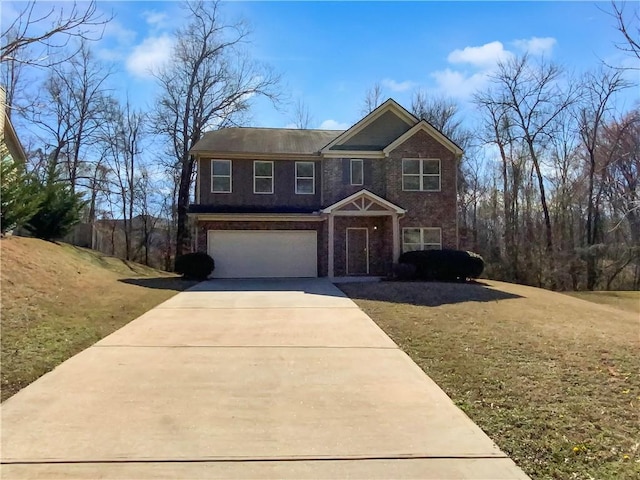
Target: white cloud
{"x": 333, "y": 125}
{"x": 536, "y": 45}
{"x": 484, "y": 56}
{"x": 398, "y": 86}
{"x": 119, "y": 32}
{"x": 155, "y": 19}
{"x": 152, "y": 53}
{"x": 457, "y": 84}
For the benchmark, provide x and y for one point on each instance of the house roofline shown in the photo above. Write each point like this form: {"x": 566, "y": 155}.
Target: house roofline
{"x": 390, "y": 104}
{"x": 425, "y": 126}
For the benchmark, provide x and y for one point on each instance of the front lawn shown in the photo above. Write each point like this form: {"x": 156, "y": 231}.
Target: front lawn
{"x": 553, "y": 380}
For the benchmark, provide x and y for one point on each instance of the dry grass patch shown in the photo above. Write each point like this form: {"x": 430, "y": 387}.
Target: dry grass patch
{"x": 553, "y": 380}
{"x": 629, "y": 301}
{"x": 58, "y": 300}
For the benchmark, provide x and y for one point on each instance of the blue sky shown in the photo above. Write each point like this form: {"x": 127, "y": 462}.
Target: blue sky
{"x": 330, "y": 53}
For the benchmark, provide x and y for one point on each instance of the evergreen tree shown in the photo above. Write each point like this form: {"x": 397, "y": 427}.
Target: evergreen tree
{"x": 19, "y": 195}
{"x": 60, "y": 209}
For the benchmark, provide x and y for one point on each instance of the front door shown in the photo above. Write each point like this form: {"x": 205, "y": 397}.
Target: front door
{"x": 357, "y": 251}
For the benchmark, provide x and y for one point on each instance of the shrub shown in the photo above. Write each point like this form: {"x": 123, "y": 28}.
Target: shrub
{"x": 404, "y": 271}
{"x": 195, "y": 266}
{"x": 444, "y": 265}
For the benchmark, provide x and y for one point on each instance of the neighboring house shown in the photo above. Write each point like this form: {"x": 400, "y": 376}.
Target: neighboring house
{"x": 306, "y": 203}
{"x": 10, "y": 146}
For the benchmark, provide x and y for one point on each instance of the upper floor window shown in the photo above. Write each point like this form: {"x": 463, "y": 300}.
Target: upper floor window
{"x": 262, "y": 177}
{"x": 420, "y": 175}
{"x": 357, "y": 171}
{"x": 425, "y": 238}
{"x": 221, "y": 176}
{"x": 305, "y": 178}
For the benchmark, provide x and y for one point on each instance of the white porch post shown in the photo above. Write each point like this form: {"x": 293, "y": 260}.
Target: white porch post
{"x": 396, "y": 237}
{"x": 330, "y": 246}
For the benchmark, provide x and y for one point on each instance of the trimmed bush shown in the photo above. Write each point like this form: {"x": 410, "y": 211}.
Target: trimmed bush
{"x": 444, "y": 265}
{"x": 195, "y": 266}
{"x": 404, "y": 271}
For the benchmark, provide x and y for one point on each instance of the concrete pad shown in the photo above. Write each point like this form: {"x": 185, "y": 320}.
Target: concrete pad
{"x": 191, "y": 403}
{"x": 261, "y": 293}
{"x": 398, "y": 469}
{"x": 310, "y": 327}
{"x": 278, "y": 378}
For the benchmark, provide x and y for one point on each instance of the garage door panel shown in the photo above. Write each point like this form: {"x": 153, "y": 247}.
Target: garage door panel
{"x": 264, "y": 253}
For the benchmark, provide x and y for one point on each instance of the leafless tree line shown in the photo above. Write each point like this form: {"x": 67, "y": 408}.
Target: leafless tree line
{"x": 548, "y": 185}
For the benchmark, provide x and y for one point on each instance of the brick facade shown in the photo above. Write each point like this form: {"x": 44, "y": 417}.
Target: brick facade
{"x": 382, "y": 176}
{"x": 426, "y": 209}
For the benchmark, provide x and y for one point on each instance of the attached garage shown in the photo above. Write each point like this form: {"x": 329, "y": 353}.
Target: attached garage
{"x": 263, "y": 253}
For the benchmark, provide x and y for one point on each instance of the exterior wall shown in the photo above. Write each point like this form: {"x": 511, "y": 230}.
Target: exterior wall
{"x": 426, "y": 209}
{"x": 380, "y": 243}
{"x": 284, "y": 193}
{"x": 336, "y": 179}
{"x": 320, "y": 227}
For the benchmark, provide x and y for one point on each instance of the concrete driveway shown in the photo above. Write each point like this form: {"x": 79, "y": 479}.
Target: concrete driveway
{"x": 245, "y": 379}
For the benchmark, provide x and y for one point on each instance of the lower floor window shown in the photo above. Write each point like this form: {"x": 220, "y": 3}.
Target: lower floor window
{"x": 424, "y": 238}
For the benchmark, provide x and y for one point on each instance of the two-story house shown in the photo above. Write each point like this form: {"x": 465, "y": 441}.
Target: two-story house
{"x": 305, "y": 203}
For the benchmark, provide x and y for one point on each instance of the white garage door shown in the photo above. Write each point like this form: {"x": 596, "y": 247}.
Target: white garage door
{"x": 263, "y": 253}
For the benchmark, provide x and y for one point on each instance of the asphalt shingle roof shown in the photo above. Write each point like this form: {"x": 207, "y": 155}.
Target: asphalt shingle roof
{"x": 264, "y": 140}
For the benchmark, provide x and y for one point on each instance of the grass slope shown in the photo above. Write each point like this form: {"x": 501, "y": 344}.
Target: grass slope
{"x": 629, "y": 301}
{"x": 552, "y": 379}
{"x": 58, "y": 299}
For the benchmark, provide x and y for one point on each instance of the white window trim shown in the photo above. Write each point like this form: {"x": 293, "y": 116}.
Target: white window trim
{"x": 361, "y": 170}
{"x": 422, "y": 243}
{"x": 313, "y": 178}
{"x": 255, "y": 162}
{"x": 422, "y": 175}
{"x": 230, "y": 176}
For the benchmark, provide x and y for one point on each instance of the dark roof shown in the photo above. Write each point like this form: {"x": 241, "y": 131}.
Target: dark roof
{"x": 264, "y": 140}
{"x": 195, "y": 208}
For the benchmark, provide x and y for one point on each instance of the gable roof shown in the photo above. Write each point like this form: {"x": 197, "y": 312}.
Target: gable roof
{"x": 424, "y": 126}
{"x": 364, "y": 193}
{"x": 389, "y": 106}
{"x": 265, "y": 141}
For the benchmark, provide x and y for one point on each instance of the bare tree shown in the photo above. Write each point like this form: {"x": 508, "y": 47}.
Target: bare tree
{"x": 50, "y": 30}
{"x": 122, "y": 133}
{"x": 533, "y": 98}
{"x": 593, "y": 112}
{"x": 69, "y": 111}
{"x": 301, "y": 117}
{"x": 443, "y": 113}
{"x": 628, "y": 26}
{"x": 207, "y": 84}
{"x": 372, "y": 99}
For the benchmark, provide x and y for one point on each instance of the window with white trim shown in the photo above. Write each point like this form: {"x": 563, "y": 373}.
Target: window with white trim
{"x": 262, "y": 177}
{"x": 357, "y": 171}
{"x": 420, "y": 175}
{"x": 424, "y": 238}
{"x": 305, "y": 178}
{"x": 220, "y": 176}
